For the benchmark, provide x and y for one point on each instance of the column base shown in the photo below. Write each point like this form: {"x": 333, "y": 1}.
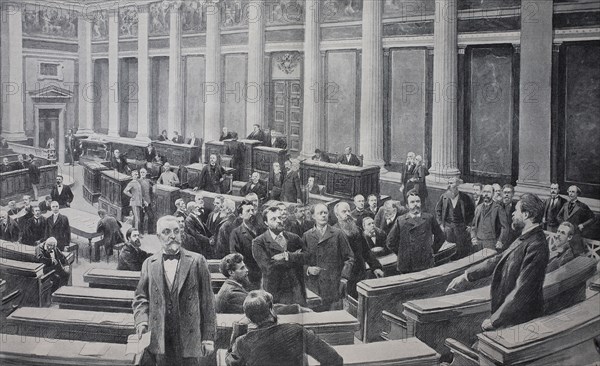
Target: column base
{"x": 376, "y": 162}
{"x": 143, "y": 138}
{"x": 541, "y": 189}
{"x": 14, "y": 136}
{"x": 113, "y": 134}
{"x": 84, "y": 131}
{"x": 440, "y": 178}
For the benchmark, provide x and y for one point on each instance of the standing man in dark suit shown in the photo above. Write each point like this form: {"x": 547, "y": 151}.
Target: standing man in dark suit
{"x": 236, "y": 149}
{"x": 290, "y": 187}
{"x": 61, "y": 193}
{"x": 9, "y": 230}
{"x": 255, "y": 185}
{"x": 454, "y": 212}
{"x": 132, "y": 256}
{"x": 215, "y": 218}
{"x": 477, "y": 198}
{"x": 71, "y": 143}
{"x": 257, "y": 134}
{"x": 181, "y": 209}
{"x": 386, "y": 216}
{"x": 193, "y": 140}
{"x": 508, "y": 191}
{"x": 490, "y": 227}
{"x": 359, "y": 212}
{"x": 281, "y": 256}
{"x": 34, "y": 228}
{"x": 175, "y": 302}
{"x": 276, "y": 344}
{"x": 311, "y": 187}
{"x": 408, "y": 173}
{"x": 195, "y": 228}
{"x": 229, "y": 223}
{"x": 518, "y": 273}
{"x": 360, "y": 249}
{"x": 331, "y": 260}
{"x": 552, "y": 207}
{"x": 240, "y": 241}
{"x": 119, "y": 163}
{"x": 177, "y": 138}
{"x": 58, "y": 227}
{"x": 211, "y": 176}
{"x": 349, "y": 158}
{"x": 372, "y": 205}
{"x": 149, "y": 154}
{"x": 578, "y": 214}
{"x": 276, "y": 181}
{"x": 415, "y": 237}
{"x": 111, "y": 230}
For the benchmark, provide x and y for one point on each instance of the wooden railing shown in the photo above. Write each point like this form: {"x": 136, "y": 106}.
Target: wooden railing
{"x": 40, "y": 152}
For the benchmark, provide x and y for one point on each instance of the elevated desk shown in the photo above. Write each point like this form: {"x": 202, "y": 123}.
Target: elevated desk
{"x": 342, "y": 181}
{"x": 566, "y": 337}
{"x": 248, "y": 157}
{"x": 263, "y": 158}
{"x": 194, "y": 171}
{"x": 29, "y": 278}
{"x": 91, "y": 180}
{"x": 389, "y": 293}
{"x": 19, "y": 350}
{"x": 98, "y": 299}
{"x": 459, "y": 316}
{"x": 178, "y": 154}
{"x": 217, "y": 148}
{"x": 15, "y": 184}
{"x": 164, "y": 199}
{"x": 209, "y": 197}
{"x": 112, "y": 199}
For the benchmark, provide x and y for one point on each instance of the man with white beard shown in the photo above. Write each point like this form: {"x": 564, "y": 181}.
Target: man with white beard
{"x": 362, "y": 253}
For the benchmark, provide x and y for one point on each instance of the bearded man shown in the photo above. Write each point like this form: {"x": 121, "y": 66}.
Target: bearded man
{"x": 132, "y": 256}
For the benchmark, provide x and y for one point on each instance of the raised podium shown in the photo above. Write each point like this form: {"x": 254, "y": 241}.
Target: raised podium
{"x": 178, "y": 154}
{"x": 164, "y": 199}
{"x": 91, "y": 180}
{"x": 112, "y": 199}
{"x": 263, "y": 158}
{"x": 342, "y": 181}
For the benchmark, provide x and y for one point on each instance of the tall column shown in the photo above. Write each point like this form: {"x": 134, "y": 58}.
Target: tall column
{"x": 371, "y": 102}
{"x": 444, "y": 154}
{"x": 113, "y": 73}
{"x": 212, "y": 85}
{"x": 312, "y": 129}
{"x": 143, "y": 75}
{"x": 86, "y": 75}
{"x": 535, "y": 107}
{"x": 256, "y": 65}
{"x": 12, "y": 72}
{"x": 175, "y": 76}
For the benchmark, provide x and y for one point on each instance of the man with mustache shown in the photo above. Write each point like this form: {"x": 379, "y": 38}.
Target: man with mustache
{"x": 195, "y": 228}
{"x": 229, "y": 223}
{"x": 53, "y": 260}
{"x": 240, "y": 241}
{"x": 490, "y": 226}
{"x": 281, "y": 256}
{"x": 359, "y": 212}
{"x": 331, "y": 260}
{"x": 211, "y": 176}
{"x": 578, "y": 214}
{"x": 454, "y": 211}
{"x": 255, "y": 185}
{"x": 34, "y": 228}
{"x": 518, "y": 273}
{"x": 360, "y": 249}
{"x": 175, "y": 302}
{"x": 374, "y": 238}
{"x": 477, "y": 198}
{"x": 387, "y": 214}
{"x": 415, "y": 237}
{"x": 9, "y": 230}
{"x": 61, "y": 193}
{"x": 552, "y": 207}
{"x": 508, "y": 206}
{"x": 290, "y": 186}
{"x": 57, "y": 225}
{"x": 132, "y": 256}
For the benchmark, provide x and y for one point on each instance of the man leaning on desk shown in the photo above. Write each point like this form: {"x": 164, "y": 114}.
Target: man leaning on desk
{"x": 518, "y": 272}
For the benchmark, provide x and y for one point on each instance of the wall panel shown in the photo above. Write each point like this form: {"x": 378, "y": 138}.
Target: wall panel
{"x": 341, "y": 101}
{"x": 101, "y": 95}
{"x": 233, "y": 100}
{"x": 194, "y": 96}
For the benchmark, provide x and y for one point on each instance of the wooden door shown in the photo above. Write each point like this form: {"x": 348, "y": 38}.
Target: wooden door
{"x": 287, "y": 118}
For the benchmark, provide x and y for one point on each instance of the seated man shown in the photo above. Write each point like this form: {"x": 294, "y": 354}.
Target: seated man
{"x": 12, "y": 208}
{"x": 321, "y": 156}
{"x": 349, "y": 158}
{"x": 560, "y": 246}
{"x": 132, "y": 256}
{"x": 276, "y": 344}
{"x": 231, "y": 296}
{"x": 9, "y": 230}
{"x": 53, "y": 259}
{"x": 168, "y": 178}
{"x": 45, "y": 205}
{"x": 255, "y": 185}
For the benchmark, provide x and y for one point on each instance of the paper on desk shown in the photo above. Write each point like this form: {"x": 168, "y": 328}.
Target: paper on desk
{"x": 94, "y": 349}
{"x": 137, "y": 346}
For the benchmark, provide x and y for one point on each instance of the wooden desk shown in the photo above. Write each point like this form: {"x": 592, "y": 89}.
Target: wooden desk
{"x": 407, "y": 352}
{"x": 334, "y": 327}
{"x": 248, "y": 157}
{"x": 217, "y": 148}
{"x": 566, "y": 337}
{"x": 94, "y": 326}
{"x": 19, "y": 350}
{"x": 178, "y": 154}
{"x": 342, "y": 181}
{"x": 24, "y": 253}
{"x": 28, "y": 277}
{"x": 112, "y": 199}
{"x": 389, "y": 293}
{"x": 189, "y": 195}
{"x": 164, "y": 199}
{"x": 128, "y": 280}
{"x": 263, "y": 158}
{"x": 98, "y": 299}
{"x": 389, "y": 261}
{"x": 15, "y": 184}
{"x": 84, "y": 224}
{"x": 91, "y": 180}
{"x": 193, "y": 176}
{"x": 459, "y": 316}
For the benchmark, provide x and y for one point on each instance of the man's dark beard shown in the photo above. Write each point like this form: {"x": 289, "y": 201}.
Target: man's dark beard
{"x": 517, "y": 226}
{"x": 137, "y": 243}
{"x": 244, "y": 281}
{"x": 349, "y": 227}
